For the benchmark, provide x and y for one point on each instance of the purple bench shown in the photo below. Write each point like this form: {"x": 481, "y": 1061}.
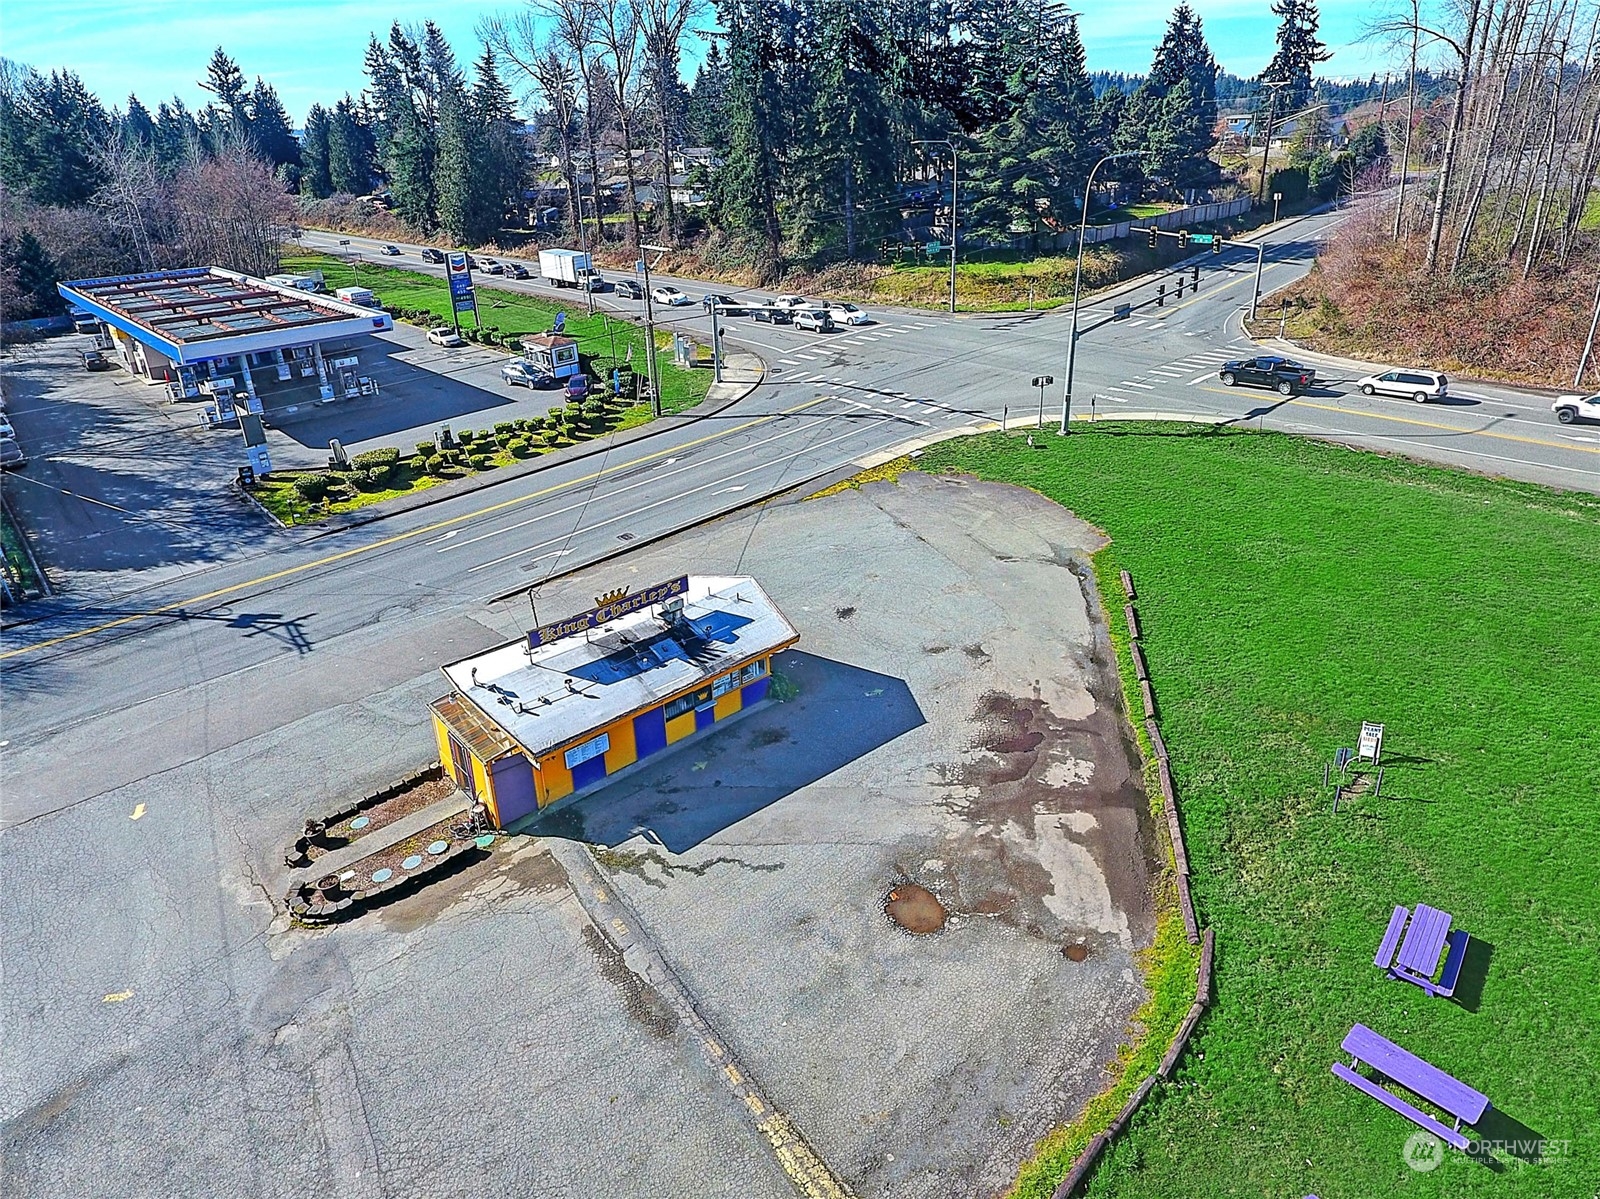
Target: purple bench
{"x": 1414, "y": 958}
{"x": 1456, "y": 1098}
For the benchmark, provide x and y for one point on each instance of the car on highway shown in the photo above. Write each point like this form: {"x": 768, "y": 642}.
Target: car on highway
{"x": 84, "y": 322}
{"x": 669, "y": 295}
{"x": 519, "y": 372}
{"x": 1280, "y": 374}
{"x": 445, "y": 336}
{"x": 517, "y": 271}
{"x": 1570, "y": 409}
{"x": 1420, "y": 386}
{"x": 577, "y": 387}
{"x": 391, "y": 251}
{"x": 429, "y": 254}
{"x": 847, "y": 314}
{"x": 723, "y": 304}
{"x": 627, "y": 289}
{"x": 815, "y": 319}
{"x": 492, "y": 266}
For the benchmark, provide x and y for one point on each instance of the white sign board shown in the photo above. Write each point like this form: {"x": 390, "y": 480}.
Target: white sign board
{"x": 1371, "y": 743}
{"x": 592, "y": 748}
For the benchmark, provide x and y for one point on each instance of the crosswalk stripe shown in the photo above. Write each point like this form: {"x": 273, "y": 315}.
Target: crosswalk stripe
{"x": 1131, "y": 383}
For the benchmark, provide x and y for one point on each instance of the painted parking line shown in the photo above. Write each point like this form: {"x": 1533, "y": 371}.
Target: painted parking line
{"x": 1132, "y": 383}
{"x": 1137, "y": 323}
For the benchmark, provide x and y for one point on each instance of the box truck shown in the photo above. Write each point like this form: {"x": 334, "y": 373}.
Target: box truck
{"x": 568, "y": 268}
{"x": 358, "y": 295}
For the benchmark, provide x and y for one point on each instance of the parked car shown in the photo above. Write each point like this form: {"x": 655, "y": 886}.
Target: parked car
{"x": 6, "y": 430}
{"x": 11, "y": 453}
{"x": 771, "y": 314}
{"x": 627, "y": 289}
{"x": 669, "y": 295}
{"x": 723, "y": 304}
{"x": 847, "y": 314}
{"x": 519, "y": 372}
{"x": 517, "y": 271}
{"x": 1420, "y": 386}
{"x": 491, "y": 266}
{"x": 391, "y": 251}
{"x": 96, "y": 360}
{"x": 429, "y": 254}
{"x": 577, "y": 387}
{"x": 445, "y": 336}
{"x": 1572, "y": 408}
{"x": 815, "y": 319}
{"x": 1280, "y": 374}
{"x": 790, "y": 303}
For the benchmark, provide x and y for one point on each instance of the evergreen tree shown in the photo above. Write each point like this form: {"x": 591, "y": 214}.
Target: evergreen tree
{"x": 138, "y": 127}
{"x": 29, "y": 277}
{"x": 404, "y": 96}
{"x": 504, "y": 158}
{"x": 708, "y": 99}
{"x": 1298, "y": 52}
{"x": 51, "y": 130}
{"x": 316, "y": 178}
{"x": 271, "y": 133}
{"x": 177, "y": 135}
{"x": 1172, "y": 116}
{"x": 467, "y": 211}
{"x": 227, "y": 117}
{"x": 350, "y": 150}
{"x": 743, "y": 186}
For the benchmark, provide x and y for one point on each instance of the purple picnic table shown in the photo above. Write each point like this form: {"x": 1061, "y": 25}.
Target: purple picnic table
{"x": 1414, "y": 957}
{"x": 1461, "y": 1102}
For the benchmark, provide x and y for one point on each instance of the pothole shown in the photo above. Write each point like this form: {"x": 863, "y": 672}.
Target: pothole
{"x": 915, "y": 909}
{"x": 1075, "y": 953}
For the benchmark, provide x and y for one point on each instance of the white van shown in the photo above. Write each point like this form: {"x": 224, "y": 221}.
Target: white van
{"x": 1420, "y": 386}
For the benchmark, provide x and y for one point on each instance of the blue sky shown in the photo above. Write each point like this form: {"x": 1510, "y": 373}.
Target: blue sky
{"x": 311, "y": 50}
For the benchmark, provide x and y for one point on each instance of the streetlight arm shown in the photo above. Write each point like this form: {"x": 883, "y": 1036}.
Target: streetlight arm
{"x": 1077, "y": 280}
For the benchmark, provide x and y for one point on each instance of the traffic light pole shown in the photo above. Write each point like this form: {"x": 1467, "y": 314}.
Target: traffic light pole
{"x": 1261, "y": 258}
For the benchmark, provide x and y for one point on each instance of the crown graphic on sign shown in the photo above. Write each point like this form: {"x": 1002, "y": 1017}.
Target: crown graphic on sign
{"x": 610, "y": 597}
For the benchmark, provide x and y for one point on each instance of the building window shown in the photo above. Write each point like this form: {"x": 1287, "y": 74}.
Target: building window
{"x": 593, "y": 748}
{"x": 687, "y": 703}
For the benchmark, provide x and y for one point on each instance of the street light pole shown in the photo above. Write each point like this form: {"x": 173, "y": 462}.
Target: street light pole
{"x": 1261, "y": 258}
{"x": 955, "y": 186}
{"x": 1077, "y": 280}
{"x": 1266, "y": 134}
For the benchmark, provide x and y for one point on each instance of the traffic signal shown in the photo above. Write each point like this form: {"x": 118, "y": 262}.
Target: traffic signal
{"x": 1195, "y": 271}
{"x": 1152, "y": 232}
{"x": 1216, "y": 245}
{"x": 1183, "y": 239}
{"x": 1161, "y": 295}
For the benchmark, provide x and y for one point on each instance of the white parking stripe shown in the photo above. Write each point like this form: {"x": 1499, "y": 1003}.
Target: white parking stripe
{"x": 1131, "y": 383}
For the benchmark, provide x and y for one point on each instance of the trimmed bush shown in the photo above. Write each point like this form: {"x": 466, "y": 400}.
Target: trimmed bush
{"x": 426, "y": 448}
{"x": 479, "y": 462}
{"x": 516, "y": 447}
{"x": 382, "y": 472}
{"x": 504, "y": 429}
{"x": 419, "y": 462}
{"x": 382, "y": 456}
{"x": 311, "y": 487}
{"x": 435, "y": 464}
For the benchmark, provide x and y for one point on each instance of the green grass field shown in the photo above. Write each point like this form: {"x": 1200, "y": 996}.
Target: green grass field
{"x": 1288, "y": 591}
{"x": 603, "y": 341}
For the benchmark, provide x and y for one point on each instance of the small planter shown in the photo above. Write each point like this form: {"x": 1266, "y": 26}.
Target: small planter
{"x": 330, "y": 886}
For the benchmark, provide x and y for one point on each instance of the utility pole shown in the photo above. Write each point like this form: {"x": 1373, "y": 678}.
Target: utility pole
{"x": 1266, "y": 133}
{"x": 1261, "y": 258}
{"x": 1077, "y": 280}
{"x": 716, "y": 346}
{"x": 650, "y": 327}
{"x": 955, "y": 187}
{"x": 583, "y": 248}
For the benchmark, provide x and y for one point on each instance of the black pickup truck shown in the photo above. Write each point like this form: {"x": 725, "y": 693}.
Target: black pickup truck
{"x": 1283, "y": 376}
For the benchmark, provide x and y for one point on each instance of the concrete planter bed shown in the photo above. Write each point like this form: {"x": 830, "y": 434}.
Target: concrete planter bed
{"x": 383, "y": 877}
{"x": 334, "y": 830}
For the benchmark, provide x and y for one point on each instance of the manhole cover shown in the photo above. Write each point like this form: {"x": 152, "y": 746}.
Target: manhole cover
{"x": 915, "y": 909}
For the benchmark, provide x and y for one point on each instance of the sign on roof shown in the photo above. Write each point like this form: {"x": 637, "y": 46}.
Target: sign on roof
{"x": 609, "y": 611}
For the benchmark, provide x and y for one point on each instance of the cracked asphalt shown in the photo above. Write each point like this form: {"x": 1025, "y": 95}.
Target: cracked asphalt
{"x": 167, "y": 1033}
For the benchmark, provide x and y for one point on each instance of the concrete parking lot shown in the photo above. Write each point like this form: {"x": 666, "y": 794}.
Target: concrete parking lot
{"x": 953, "y": 725}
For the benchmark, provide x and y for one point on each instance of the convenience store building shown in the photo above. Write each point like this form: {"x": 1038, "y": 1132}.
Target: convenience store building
{"x": 564, "y": 710}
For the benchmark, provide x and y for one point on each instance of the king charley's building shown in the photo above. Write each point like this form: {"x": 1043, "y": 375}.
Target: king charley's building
{"x": 578, "y": 700}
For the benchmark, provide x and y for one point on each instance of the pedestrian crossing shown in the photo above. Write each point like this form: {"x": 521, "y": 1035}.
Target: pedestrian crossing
{"x": 1191, "y": 369}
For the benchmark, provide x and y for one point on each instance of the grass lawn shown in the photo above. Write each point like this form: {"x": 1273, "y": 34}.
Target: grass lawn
{"x": 603, "y": 341}
{"x": 19, "y": 570}
{"x": 1288, "y": 591}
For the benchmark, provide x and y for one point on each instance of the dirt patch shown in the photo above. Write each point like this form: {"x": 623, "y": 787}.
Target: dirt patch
{"x": 642, "y": 1001}
{"x": 976, "y": 652}
{"x": 413, "y": 799}
{"x": 915, "y": 909}
{"x": 845, "y": 613}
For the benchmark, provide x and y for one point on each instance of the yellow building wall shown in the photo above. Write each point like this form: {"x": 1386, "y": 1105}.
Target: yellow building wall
{"x": 680, "y": 727}
{"x": 624, "y": 750}
{"x": 554, "y": 781}
{"x": 481, "y": 785}
{"x": 727, "y": 704}
{"x": 442, "y": 736}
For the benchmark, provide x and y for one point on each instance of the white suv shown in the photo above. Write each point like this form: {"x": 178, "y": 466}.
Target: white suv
{"x": 1420, "y": 386}
{"x": 1572, "y": 408}
{"x": 815, "y": 319}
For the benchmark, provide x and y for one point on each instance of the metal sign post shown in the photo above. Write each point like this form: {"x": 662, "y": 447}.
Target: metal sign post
{"x": 1041, "y": 382}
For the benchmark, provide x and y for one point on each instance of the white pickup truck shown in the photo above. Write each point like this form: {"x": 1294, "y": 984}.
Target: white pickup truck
{"x": 1572, "y": 408}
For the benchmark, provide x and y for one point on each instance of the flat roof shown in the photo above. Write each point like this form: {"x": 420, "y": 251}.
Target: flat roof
{"x": 562, "y": 691}
{"x": 197, "y": 313}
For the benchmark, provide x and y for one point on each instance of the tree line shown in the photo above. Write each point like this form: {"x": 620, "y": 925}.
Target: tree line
{"x": 825, "y": 120}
